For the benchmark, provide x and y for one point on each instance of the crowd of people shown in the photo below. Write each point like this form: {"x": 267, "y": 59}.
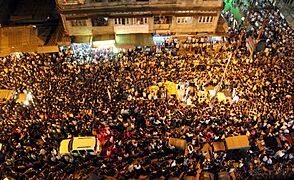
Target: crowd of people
{"x": 113, "y": 96}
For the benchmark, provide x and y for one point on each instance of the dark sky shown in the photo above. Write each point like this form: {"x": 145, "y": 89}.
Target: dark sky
{"x": 37, "y": 10}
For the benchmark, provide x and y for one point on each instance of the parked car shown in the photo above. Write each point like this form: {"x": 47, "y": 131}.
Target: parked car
{"x": 87, "y": 145}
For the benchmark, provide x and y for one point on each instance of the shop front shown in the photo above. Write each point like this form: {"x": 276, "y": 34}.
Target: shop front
{"x": 131, "y": 41}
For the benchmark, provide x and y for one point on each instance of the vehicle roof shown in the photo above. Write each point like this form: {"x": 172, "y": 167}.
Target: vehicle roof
{"x": 86, "y": 142}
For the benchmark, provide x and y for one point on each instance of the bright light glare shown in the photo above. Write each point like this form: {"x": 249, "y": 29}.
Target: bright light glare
{"x": 115, "y": 50}
{"x": 26, "y": 102}
{"x": 104, "y": 44}
{"x": 29, "y": 97}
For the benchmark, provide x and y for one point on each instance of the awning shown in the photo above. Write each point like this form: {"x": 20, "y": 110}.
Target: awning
{"x": 48, "y": 49}
{"x": 81, "y": 39}
{"x": 103, "y": 41}
{"x": 237, "y": 142}
{"x": 21, "y": 98}
{"x": 178, "y": 143}
{"x": 133, "y": 40}
{"x": 164, "y": 31}
{"x": 218, "y": 146}
{"x": 103, "y": 37}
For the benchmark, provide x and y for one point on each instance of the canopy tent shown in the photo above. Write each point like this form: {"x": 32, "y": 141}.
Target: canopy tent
{"x": 178, "y": 143}
{"x": 221, "y": 96}
{"x": 237, "y": 142}
{"x": 171, "y": 88}
{"x": 153, "y": 88}
{"x": 21, "y": 98}
{"x": 133, "y": 40}
{"x": 218, "y": 146}
{"x": 5, "y": 95}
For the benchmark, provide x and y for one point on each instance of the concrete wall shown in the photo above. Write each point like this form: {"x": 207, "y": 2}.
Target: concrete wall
{"x": 19, "y": 39}
{"x": 287, "y": 9}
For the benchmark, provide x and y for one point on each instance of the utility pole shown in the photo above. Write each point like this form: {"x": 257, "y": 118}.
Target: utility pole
{"x": 260, "y": 32}
{"x": 220, "y": 83}
{"x": 244, "y": 27}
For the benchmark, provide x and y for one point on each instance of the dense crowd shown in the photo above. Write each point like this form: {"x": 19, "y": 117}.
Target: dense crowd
{"x": 112, "y": 96}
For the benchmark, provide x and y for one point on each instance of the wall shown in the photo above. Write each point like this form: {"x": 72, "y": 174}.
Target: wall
{"x": 19, "y": 39}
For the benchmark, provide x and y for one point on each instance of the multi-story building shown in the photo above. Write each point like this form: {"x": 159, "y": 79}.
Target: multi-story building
{"x": 287, "y": 9}
{"x": 135, "y": 22}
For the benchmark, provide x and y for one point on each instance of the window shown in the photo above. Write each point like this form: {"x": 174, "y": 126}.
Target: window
{"x": 78, "y": 23}
{"x": 91, "y": 152}
{"x": 82, "y": 152}
{"x": 163, "y": 19}
{"x": 184, "y": 20}
{"x": 130, "y": 21}
{"x": 205, "y": 19}
{"x": 70, "y": 145}
{"x": 100, "y": 21}
{"x": 139, "y": 21}
{"x": 119, "y": 21}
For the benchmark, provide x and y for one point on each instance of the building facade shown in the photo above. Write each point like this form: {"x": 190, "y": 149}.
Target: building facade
{"x": 287, "y": 9}
{"x": 126, "y": 20}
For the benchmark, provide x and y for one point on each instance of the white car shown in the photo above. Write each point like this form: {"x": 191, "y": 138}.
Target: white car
{"x": 87, "y": 145}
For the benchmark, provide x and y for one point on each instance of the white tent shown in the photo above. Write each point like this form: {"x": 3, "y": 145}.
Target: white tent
{"x": 221, "y": 96}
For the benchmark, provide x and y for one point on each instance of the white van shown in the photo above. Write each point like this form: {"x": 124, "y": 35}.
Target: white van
{"x": 87, "y": 145}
